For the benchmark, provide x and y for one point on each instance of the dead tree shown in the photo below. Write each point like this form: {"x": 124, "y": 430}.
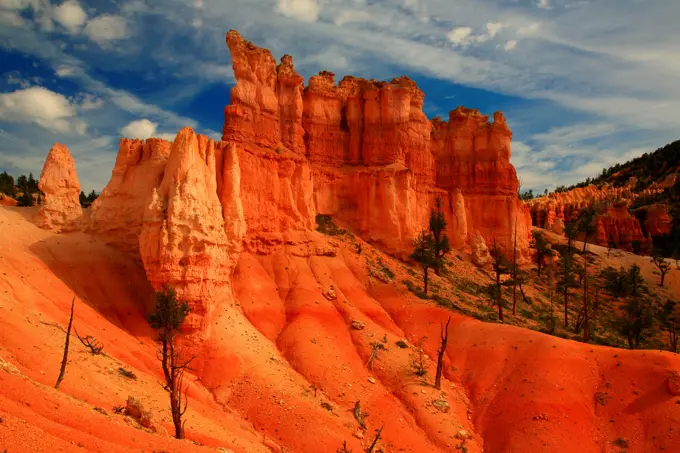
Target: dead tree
{"x": 358, "y": 416}
{"x": 514, "y": 271}
{"x": 440, "y": 356}
{"x": 374, "y": 354}
{"x": 68, "y": 338}
{"x": 90, "y": 342}
{"x": 375, "y": 441}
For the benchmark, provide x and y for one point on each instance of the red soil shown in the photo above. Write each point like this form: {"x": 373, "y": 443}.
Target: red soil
{"x": 282, "y": 349}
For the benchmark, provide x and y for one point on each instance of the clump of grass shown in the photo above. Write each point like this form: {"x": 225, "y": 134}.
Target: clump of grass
{"x": 127, "y": 374}
{"x": 326, "y": 225}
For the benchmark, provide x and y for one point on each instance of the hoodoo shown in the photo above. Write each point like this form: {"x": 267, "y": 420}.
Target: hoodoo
{"x": 61, "y": 209}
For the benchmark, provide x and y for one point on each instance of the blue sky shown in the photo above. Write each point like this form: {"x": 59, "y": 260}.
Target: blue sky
{"x": 583, "y": 83}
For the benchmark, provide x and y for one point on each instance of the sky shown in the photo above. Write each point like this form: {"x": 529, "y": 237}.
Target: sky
{"x": 584, "y": 84}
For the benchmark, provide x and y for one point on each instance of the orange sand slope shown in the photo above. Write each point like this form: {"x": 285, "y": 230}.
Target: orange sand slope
{"x": 284, "y": 368}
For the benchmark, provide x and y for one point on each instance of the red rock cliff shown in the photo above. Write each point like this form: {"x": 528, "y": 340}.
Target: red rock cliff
{"x": 371, "y": 153}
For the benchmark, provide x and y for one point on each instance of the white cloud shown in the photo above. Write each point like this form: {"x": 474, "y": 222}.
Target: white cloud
{"x": 106, "y": 28}
{"x": 493, "y": 28}
{"x": 510, "y": 45}
{"x": 90, "y": 102}
{"x": 141, "y": 129}
{"x": 41, "y": 106}
{"x": 302, "y": 10}
{"x": 529, "y": 29}
{"x": 70, "y": 15}
{"x": 65, "y": 71}
{"x": 346, "y": 17}
{"x": 197, "y": 23}
{"x": 544, "y": 4}
{"x": 198, "y": 4}
{"x": 460, "y": 36}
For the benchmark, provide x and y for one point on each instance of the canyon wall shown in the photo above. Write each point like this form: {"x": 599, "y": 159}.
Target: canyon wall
{"x": 361, "y": 151}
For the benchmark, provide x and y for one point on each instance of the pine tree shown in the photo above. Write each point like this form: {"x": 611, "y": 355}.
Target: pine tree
{"x": 423, "y": 254}
{"x": 500, "y": 267}
{"x": 167, "y": 318}
{"x": 542, "y": 249}
{"x": 567, "y": 281}
{"x": 440, "y": 242}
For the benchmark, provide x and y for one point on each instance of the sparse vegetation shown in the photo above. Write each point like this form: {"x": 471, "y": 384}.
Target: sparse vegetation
{"x": 418, "y": 359}
{"x": 91, "y": 343}
{"x": 326, "y": 225}
{"x": 127, "y": 374}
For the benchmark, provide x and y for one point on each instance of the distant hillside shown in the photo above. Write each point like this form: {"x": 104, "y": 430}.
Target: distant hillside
{"x": 636, "y": 205}
{"x": 649, "y": 168}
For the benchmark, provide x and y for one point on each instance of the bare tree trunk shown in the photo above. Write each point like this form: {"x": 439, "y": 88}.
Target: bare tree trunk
{"x": 175, "y": 407}
{"x": 514, "y": 272}
{"x": 68, "y": 338}
{"x": 499, "y": 296}
{"x": 440, "y": 358}
{"x": 375, "y": 441}
{"x": 425, "y": 280}
{"x": 586, "y": 326}
{"x": 566, "y": 305}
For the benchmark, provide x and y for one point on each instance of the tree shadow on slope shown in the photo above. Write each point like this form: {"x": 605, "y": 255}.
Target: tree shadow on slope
{"x": 110, "y": 282}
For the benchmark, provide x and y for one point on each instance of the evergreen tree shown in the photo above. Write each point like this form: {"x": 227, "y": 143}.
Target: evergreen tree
{"x": 82, "y": 198}
{"x": 22, "y": 182}
{"x": 167, "y": 319}
{"x": 7, "y": 184}
{"x": 566, "y": 281}
{"x": 32, "y": 184}
{"x": 440, "y": 242}
{"x": 669, "y": 317}
{"x": 25, "y": 200}
{"x": 423, "y": 254}
{"x": 541, "y": 245}
{"x": 500, "y": 267}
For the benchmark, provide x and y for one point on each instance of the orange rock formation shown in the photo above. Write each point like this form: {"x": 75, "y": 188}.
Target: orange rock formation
{"x": 61, "y": 209}
{"x": 613, "y": 221}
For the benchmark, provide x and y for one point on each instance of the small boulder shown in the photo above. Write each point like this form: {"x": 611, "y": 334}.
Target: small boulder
{"x": 441, "y": 405}
{"x": 135, "y": 409}
{"x": 358, "y": 325}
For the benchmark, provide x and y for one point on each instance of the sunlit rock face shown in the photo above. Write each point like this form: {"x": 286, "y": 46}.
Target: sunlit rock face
{"x": 60, "y": 211}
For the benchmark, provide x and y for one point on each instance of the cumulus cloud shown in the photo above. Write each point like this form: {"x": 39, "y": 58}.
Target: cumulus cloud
{"x": 143, "y": 129}
{"x": 40, "y": 106}
{"x": 302, "y": 10}
{"x": 460, "y": 36}
{"x": 544, "y": 4}
{"x": 106, "y": 28}
{"x": 70, "y": 15}
{"x": 510, "y": 45}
